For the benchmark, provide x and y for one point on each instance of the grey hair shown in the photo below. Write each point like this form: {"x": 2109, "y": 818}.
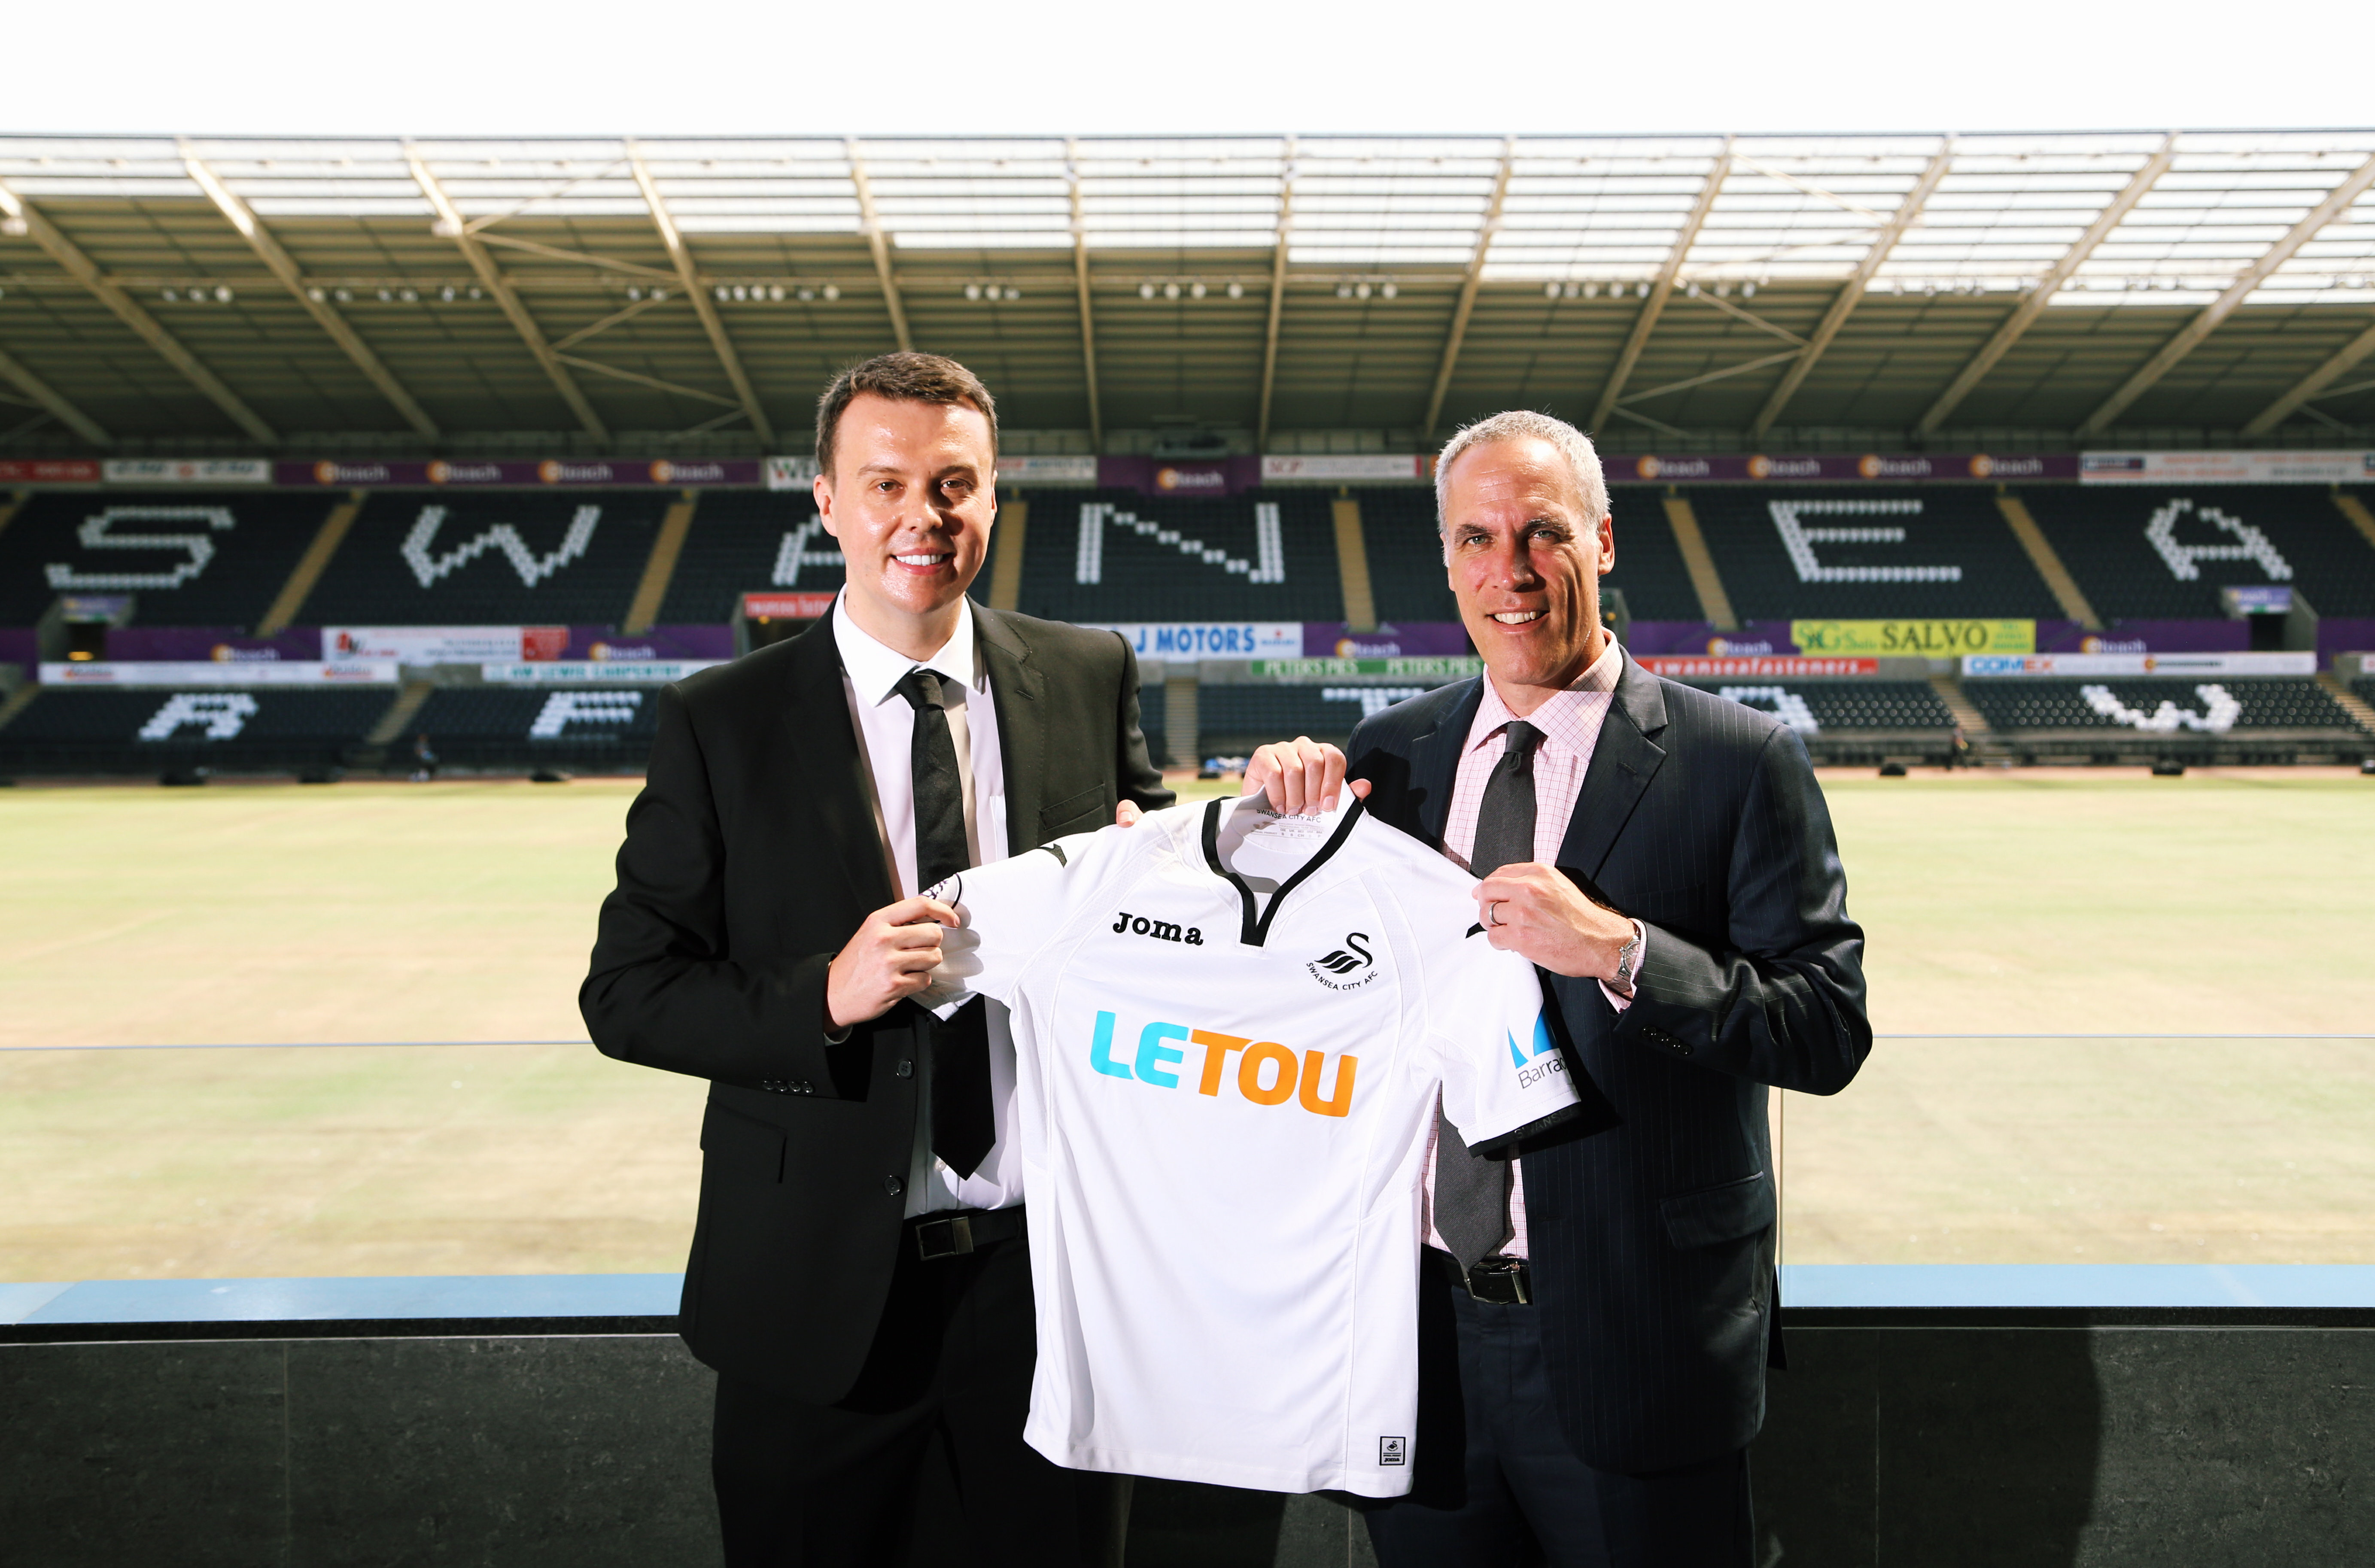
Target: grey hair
{"x": 1517, "y": 424}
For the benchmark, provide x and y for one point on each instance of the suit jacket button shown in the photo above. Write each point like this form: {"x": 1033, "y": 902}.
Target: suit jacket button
{"x": 894, "y": 1185}
{"x": 905, "y": 1069}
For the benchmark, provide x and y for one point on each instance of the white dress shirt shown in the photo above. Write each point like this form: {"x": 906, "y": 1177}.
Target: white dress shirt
{"x": 870, "y": 674}
{"x": 1570, "y": 724}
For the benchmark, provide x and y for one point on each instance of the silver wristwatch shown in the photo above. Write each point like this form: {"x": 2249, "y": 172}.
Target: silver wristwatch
{"x": 1628, "y": 958}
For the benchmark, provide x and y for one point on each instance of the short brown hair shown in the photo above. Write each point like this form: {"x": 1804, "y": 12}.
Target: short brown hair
{"x": 908, "y": 377}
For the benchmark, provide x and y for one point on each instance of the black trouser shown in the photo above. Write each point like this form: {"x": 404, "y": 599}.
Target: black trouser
{"x": 807, "y": 1486}
{"x": 1497, "y": 1485}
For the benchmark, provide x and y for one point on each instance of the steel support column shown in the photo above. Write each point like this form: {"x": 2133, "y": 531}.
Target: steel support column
{"x": 1660, "y": 291}
{"x": 1852, "y": 292}
{"x": 880, "y": 244}
{"x": 1081, "y": 283}
{"x": 85, "y": 271}
{"x": 2025, "y": 314}
{"x": 259, "y": 238}
{"x": 2309, "y": 385}
{"x": 44, "y": 394}
{"x": 2190, "y": 336}
{"x": 450, "y": 226}
{"x": 702, "y": 306}
{"x": 1467, "y": 286}
{"x": 1277, "y": 297}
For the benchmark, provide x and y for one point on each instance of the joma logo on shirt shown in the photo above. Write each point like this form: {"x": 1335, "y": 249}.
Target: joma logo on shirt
{"x": 1165, "y": 930}
{"x": 1288, "y": 1079}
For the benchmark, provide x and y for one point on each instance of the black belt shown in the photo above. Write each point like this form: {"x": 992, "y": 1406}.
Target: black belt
{"x": 1497, "y": 1281}
{"x": 963, "y": 1231}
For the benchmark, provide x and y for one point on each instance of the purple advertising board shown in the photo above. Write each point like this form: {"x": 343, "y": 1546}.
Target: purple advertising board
{"x": 1179, "y": 475}
{"x": 604, "y": 644}
{"x": 1401, "y": 639}
{"x": 465, "y": 474}
{"x": 1885, "y": 467}
{"x": 222, "y": 645}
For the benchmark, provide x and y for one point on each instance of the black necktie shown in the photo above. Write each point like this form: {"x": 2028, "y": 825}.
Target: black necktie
{"x": 1471, "y": 1194}
{"x": 963, "y": 1126}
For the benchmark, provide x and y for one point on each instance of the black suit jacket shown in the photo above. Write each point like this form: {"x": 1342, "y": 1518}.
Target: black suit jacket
{"x": 750, "y": 857}
{"x": 1650, "y": 1220}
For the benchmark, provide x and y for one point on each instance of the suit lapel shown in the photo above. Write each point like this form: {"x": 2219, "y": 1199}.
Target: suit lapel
{"x": 1018, "y": 696}
{"x": 824, "y": 745}
{"x": 1623, "y": 763}
{"x": 1434, "y": 761}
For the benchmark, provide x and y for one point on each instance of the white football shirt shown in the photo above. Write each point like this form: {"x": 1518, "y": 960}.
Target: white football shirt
{"x": 1231, "y": 1032}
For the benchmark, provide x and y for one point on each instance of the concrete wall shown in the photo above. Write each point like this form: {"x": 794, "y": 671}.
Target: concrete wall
{"x": 1913, "y": 1437}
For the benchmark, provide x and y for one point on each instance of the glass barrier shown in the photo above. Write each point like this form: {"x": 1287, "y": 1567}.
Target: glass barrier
{"x": 281, "y": 1161}
{"x": 2091, "y": 1150}
{"x": 274, "y": 1162}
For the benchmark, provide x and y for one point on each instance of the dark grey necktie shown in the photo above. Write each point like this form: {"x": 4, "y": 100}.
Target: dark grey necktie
{"x": 963, "y": 1126}
{"x": 1471, "y": 1194}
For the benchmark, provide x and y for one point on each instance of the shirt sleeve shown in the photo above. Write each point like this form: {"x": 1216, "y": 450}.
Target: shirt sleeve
{"x": 1504, "y": 1079}
{"x": 1006, "y": 913}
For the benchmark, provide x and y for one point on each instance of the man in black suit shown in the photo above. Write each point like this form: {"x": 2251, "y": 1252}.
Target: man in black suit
{"x": 859, "y": 1276}
{"x": 1598, "y": 1313}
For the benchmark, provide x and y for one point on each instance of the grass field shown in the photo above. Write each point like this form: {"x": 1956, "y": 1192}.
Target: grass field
{"x": 2021, "y": 904}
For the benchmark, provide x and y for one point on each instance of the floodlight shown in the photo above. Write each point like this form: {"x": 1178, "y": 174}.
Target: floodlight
{"x": 1642, "y": 288}
{"x": 347, "y": 295}
{"x": 1237, "y": 290}
{"x": 1012, "y": 292}
{"x": 409, "y": 295}
{"x": 1748, "y": 290}
{"x": 1196, "y": 290}
{"x": 1171, "y": 291}
{"x": 832, "y": 291}
{"x": 313, "y": 294}
{"x": 807, "y": 294}
{"x": 724, "y": 293}
{"x": 167, "y": 295}
{"x": 1343, "y": 290}
{"x": 634, "y": 293}
{"x": 1361, "y": 292}
{"x": 973, "y": 290}
{"x": 1146, "y": 290}
{"x": 387, "y": 296}
{"x": 1550, "y": 291}
{"x": 1387, "y": 289}
{"x": 657, "y": 294}
{"x": 1591, "y": 290}
{"x": 1691, "y": 290}
{"x": 775, "y": 293}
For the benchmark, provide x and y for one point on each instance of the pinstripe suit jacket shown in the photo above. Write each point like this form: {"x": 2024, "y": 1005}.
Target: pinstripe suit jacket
{"x": 1653, "y": 1219}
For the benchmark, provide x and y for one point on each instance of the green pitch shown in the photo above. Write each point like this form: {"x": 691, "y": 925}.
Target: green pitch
{"x": 2040, "y": 901}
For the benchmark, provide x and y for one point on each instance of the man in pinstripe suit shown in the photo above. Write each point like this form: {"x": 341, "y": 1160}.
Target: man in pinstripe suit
{"x": 1598, "y": 1313}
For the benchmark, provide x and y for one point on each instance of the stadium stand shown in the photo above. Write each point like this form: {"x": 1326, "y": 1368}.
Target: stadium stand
{"x": 749, "y": 541}
{"x": 2146, "y": 554}
{"x": 1880, "y": 553}
{"x": 255, "y": 729}
{"x": 503, "y": 729}
{"x": 188, "y": 559}
{"x": 1234, "y": 719}
{"x": 424, "y": 557}
{"x": 2240, "y": 718}
{"x": 1851, "y": 721}
{"x": 1118, "y": 556}
{"x": 1406, "y": 572}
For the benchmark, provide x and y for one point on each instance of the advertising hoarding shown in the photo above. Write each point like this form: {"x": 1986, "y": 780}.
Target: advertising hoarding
{"x": 1980, "y": 665}
{"x": 1183, "y": 641}
{"x": 1914, "y": 638}
{"x": 208, "y": 672}
{"x": 2227, "y": 469}
{"x": 444, "y": 645}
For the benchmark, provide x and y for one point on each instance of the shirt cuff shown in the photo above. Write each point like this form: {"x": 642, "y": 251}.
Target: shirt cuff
{"x": 1621, "y": 1000}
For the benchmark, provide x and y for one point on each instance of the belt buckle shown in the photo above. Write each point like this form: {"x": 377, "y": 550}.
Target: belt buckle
{"x": 944, "y": 1238}
{"x": 1501, "y": 1281}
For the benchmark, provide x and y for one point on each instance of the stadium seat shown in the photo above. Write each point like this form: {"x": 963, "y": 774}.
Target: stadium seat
{"x": 425, "y": 558}
{"x": 511, "y": 728}
{"x": 2130, "y": 546}
{"x": 210, "y": 558}
{"x": 1884, "y": 552}
{"x": 256, "y": 729}
{"x": 752, "y": 541}
{"x": 1841, "y": 705}
{"x": 1108, "y": 555}
{"x": 1235, "y": 719}
{"x": 2157, "y": 706}
{"x": 1406, "y": 572}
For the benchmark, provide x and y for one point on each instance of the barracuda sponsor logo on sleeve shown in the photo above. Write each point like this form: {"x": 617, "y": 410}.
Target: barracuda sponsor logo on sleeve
{"x": 1538, "y": 1058}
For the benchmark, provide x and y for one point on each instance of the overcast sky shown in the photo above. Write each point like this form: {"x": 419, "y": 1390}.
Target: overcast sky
{"x": 659, "y": 67}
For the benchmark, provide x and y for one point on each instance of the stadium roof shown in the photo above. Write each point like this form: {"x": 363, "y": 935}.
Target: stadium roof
{"x": 167, "y": 294}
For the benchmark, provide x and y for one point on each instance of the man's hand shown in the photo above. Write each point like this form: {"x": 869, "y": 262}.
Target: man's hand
{"x": 1534, "y": 911}
{"x": 1300, "y": 775}
{"x": 891, "y": 958}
